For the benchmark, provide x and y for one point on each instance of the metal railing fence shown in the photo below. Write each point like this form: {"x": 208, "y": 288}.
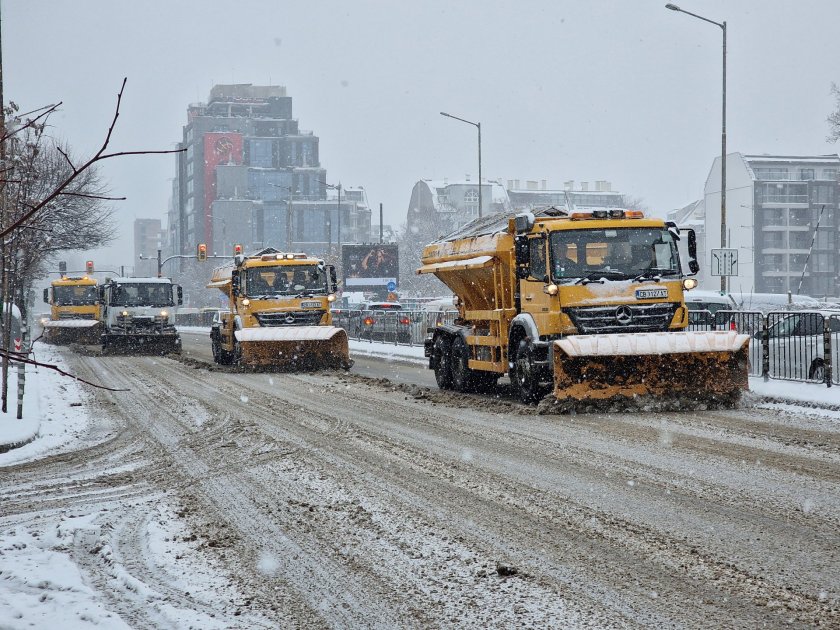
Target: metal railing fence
{"x": 785, "y": 345}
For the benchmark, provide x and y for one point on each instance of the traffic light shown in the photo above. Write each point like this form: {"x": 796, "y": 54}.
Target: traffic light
{"x": 237, "y": 249}
{"x": 202, "y": 252}
{"x": 89, "y": 267}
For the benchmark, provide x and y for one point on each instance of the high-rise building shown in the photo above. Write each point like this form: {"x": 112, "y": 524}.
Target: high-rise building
{"x": 148, "y": 238}
{"x": 250, "y": 176}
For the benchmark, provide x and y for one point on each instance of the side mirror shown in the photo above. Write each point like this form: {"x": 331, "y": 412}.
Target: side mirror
{"x": 180, "y": 292}
{"x": 47, "y": 296}
{"x": 102, "y": 294}
{"x": 522, "y": 249}
{"x": 234, "y": 283}
{"x": 693, "y": 265}
{"x": 333, "y": 280}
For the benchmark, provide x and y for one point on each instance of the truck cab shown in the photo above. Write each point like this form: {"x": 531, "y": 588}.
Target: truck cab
{"x": 139, "y": 313}
{"x": 74, "y": 310}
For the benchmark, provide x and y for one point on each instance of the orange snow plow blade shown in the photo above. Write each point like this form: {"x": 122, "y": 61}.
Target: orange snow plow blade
{"x": 703, "y": 366}
{"x": 312, "y": 347}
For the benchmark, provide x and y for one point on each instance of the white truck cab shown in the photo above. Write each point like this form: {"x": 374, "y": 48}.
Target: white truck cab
{"x": 138, "y": 313}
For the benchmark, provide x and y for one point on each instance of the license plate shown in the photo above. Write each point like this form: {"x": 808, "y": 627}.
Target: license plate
{"x": 310, "y": 304}
{"x": 649, "y": 294}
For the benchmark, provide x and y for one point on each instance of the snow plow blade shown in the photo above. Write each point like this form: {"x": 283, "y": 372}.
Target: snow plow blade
{"x": 708, "y": 367}
{"x": 314, "y": 347}
{"x": 83, "y": 331}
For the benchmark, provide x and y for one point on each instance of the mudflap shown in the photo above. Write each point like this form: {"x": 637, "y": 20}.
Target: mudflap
{"x": 295, "y": 347}
{"x": 673, "y": 370}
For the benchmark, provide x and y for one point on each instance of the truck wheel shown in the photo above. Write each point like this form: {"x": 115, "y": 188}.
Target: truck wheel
{"x": 462, "y": 375}
{"x": 443, "y": 362}
{"x": 525, "y": 376}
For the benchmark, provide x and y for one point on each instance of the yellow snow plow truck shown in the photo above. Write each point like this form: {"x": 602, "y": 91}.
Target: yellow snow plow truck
{"x": 590, "y": 302}
{"x": 279, "y": 313}
{"x": 75, "y": 315}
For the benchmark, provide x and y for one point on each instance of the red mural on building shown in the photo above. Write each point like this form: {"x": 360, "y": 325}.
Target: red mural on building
{"x": 219, "y": 148}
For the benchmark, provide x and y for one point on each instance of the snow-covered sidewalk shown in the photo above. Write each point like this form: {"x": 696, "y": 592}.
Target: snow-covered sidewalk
{"x": 53, "y": 411}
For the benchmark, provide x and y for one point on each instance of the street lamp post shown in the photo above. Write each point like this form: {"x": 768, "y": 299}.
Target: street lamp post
{"x": 477, "y": 125}
{"x": 722, "y": 26}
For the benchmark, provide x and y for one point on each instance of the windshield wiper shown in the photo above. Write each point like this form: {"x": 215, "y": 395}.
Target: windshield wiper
{"x": 601, "y": 276}
{"x": 654, "y": 273}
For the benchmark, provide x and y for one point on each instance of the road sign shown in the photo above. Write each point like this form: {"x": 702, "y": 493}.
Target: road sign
{"x": 725, "y": 262}
{"x": 18, "y": 345}
{"x": 391, "y": 286}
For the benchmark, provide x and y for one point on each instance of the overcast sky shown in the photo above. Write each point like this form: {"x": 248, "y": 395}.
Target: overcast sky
{"x": 617, "y": 90}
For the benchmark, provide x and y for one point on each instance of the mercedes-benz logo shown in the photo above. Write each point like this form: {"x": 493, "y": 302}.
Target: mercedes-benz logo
{"x": 623, "y": 315}
{"x": 290, "y": 319}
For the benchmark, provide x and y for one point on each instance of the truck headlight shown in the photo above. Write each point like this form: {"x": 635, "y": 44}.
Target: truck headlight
{"x": 689, "y": 283}
{"x": 331, "y": 297}
{"x": 164, "y": 314}
{"x": 124, "y": 314}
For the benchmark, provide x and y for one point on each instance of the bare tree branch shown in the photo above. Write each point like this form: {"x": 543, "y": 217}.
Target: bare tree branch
{"x": 87, "y": 196}
{"x": 67, "y": 157}
{"x": 97, "y": 157}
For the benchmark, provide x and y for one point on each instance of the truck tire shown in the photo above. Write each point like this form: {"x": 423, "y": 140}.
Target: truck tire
{"x": 442, "y": 350}
{"x": 463, "y": 378}
{"x": 525, "y": 377}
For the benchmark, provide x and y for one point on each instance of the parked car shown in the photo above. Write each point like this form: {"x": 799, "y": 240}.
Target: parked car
{"x": 796, "y": 344}
{"x": 702, "y": 306}
{"x": 385, "y": 321}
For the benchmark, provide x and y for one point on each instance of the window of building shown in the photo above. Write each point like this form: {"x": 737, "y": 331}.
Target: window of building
{"x": 799, "y": 240}
{"x": 770, "y": 173}
{"x": 775, "y": 216}
{"x": 830, "y": 173}
{"x": 806, "y": 173}
{"x": 822, "y": 262}
{"x": 799, "y": 216}
{"x": 774, "y": 284}
{"x": 471, "y": 201}
{"x": 260, "y": 152}
{"x": 797, "y": 262}
{"x": 825, "y": 239}
{"x": 822, "y": 194}
{"x": 783, "y": 193}
{"x": 774, "y": 240}
{"x": 775, "y": 262}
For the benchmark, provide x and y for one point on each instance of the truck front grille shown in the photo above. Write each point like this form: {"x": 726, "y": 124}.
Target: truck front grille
{"x": 590, "y": 320}
{"x": 76, "y": 316}
{"x": 290, "y": 318}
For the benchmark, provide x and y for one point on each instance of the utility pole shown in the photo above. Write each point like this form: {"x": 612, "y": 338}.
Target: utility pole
{"x": 380, "y": 223}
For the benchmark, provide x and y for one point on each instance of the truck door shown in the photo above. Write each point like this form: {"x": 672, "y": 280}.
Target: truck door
{"x": 532, "y": 289}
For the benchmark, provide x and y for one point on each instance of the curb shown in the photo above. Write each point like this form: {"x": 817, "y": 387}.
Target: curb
{"x": 5, "y": 448}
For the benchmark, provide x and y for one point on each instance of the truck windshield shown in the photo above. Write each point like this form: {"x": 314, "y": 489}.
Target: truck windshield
{"x": 613, "y": 254}
{"x": 285, "y": 280}
{"x": 75, "y": 296}
{"x": 142, "y": 294}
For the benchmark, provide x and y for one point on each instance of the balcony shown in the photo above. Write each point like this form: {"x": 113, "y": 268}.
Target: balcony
{"x": 782, "y": 199}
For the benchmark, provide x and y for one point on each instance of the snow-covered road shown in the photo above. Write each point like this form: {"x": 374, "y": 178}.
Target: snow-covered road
{"x": 226, "y": 499}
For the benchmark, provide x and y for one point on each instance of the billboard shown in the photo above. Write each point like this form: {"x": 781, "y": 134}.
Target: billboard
{"x": 219, "y": 148}
{"x": 370, "y": 266}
